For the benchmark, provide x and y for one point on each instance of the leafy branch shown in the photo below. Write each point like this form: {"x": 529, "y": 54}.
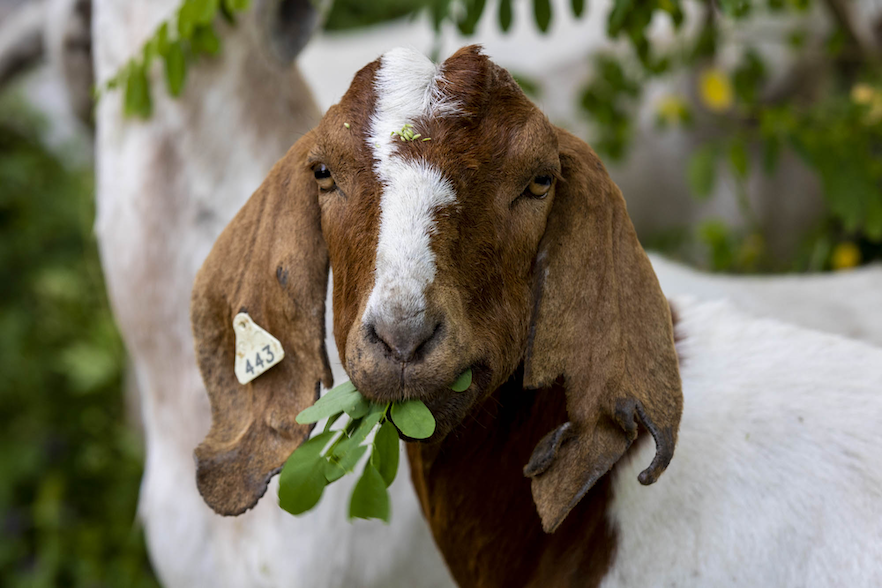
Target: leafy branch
{"x": 329, "y": 456}
{"x": 177, "y": 42}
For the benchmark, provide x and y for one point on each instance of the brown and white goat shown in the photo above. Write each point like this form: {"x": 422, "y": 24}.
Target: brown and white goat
{"x": 501, "y": 245}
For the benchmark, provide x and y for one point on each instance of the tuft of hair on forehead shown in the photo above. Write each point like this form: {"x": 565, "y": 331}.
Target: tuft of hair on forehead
{"x": 468, "y": 78}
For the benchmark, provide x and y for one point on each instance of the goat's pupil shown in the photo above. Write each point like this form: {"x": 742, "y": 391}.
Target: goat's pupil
{"x": 322, "y": 172}
{"x": 543, "y": 180}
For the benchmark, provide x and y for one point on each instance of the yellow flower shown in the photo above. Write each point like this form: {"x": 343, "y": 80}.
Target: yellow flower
{"x": 715, "y": 89}
{"x": 672, "y": 109}
{"x": 845, "y": 255}
{"x": 862, "y": 94}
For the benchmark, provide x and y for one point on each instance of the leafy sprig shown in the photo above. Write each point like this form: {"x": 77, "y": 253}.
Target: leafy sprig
{"x": 329, "y": 456}
{"x": 176, "y": 41}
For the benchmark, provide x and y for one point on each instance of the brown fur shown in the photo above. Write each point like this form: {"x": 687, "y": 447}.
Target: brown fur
{"x": 479, "y": 506}
{"x": 602, "y": 322}
{"x": 556, "y": 288}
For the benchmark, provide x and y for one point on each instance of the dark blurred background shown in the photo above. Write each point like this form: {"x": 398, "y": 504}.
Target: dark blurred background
{"x": 737, "y": 93}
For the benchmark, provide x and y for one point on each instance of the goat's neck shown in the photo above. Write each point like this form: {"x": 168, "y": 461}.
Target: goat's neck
{"x": 480, "y": 509}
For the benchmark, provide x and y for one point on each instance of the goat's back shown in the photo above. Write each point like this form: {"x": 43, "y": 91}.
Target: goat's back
{"x": 777, "y": 475}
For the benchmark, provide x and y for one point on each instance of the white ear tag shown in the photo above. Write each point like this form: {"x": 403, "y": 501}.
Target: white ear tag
{"x": 256, "y": 350}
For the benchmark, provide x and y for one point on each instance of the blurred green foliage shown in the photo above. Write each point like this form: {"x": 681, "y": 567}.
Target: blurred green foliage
{"x": 835, "y": 128}
{"x": 70, "y": 466}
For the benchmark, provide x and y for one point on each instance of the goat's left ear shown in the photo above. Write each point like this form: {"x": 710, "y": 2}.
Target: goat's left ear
{"x": 271, "y": 262}
{"x": 600, "y": 322}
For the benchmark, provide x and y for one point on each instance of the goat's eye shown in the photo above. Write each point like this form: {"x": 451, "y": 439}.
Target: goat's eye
{"x": 539, "y": 186}
{"x": 323, "y": 177}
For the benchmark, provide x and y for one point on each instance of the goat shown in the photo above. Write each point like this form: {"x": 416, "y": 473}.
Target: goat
{"x": 165, "y": 189}
{"x": 498, "y": 243}
{"x": 845, "y": 303}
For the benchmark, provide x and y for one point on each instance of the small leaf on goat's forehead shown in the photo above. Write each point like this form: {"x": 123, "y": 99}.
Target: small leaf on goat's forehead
{"x": 413, "y": 419}
{"x": 256, "y": 350}
{"x": 386, "y": 452}
{"x": 370, "y": 499}
{"x": 463, "y": 381}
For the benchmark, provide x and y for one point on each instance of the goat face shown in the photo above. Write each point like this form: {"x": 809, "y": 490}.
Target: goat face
{"x": 432, "y": 242}
{"x": 498, "y": 241}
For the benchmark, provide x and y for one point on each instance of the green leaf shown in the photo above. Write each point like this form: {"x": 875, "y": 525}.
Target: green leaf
{"x": 738, "y": 158}
{"x": 578, "y": 7}
{"x": 186, "y": 20}
{"x": 303, "y": 488}
{"x": 204, "y": 10}
{"x": 463, "y": 381}
{"x": 413, "y": 419}
{"x": 542, "y": 13}
{"x": 701, "y": 171}
{"x": 385, "y": 454}
{"x": 237, "y": 5}
{"x": 362, "y": 430}
{"x": 346, "y": 387}
{"x": 137, "y": 97}
{"x": 308, "y": 452}
{"x": 360, "y": 408}
{"x": 175, "y": 68}
{"x": 333, "y": 471}
{"x": 302, "y": 480}
{"x": 370, "y": 499}
{"x": 505, "y": 15}
{"x": 617, "y": 17}
{"x": 205, "y": 40}
{"x": 162, "y": 39}
{"x": 328, "y": 405}
{"x": 348, "y": 461}
{"x": 331, "y": 420}
{"x": 474, "y": 9}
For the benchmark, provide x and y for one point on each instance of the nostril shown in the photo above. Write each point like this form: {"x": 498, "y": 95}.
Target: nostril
{"x": 404, "y": 341}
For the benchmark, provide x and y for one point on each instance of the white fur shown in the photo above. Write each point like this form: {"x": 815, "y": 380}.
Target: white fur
{"x": 406, "y": 87}
{"x": 846, "y": 303}
{"x": 777, "y": 475}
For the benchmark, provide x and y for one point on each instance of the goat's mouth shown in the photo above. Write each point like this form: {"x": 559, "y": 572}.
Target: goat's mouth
{"x": 447, "y": 406}
{"x": 450, "y": 407}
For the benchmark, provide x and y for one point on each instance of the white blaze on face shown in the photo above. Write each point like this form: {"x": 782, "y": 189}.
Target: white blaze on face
{"x": 406, "y": 88}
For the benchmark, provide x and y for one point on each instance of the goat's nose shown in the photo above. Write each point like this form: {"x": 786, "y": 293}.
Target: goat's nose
{"x": 406, "y": 340}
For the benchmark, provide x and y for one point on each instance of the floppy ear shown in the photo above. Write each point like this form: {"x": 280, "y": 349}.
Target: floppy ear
{"x": 600, "y": 322}
{"x": 272, "y": 263}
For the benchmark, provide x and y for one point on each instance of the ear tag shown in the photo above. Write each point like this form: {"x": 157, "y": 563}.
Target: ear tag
{"x": 256, "y": 350}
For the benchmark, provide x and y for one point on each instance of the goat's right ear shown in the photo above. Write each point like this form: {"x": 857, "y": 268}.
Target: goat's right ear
{"x": 272, "y": 263}
{"x": 602, "y": 324}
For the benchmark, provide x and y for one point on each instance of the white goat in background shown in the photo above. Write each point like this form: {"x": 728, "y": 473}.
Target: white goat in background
{"x": 166, "y": 188}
